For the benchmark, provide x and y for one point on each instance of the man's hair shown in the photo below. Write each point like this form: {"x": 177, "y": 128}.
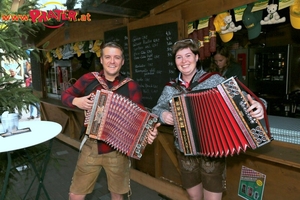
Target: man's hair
{"x": 113, "y": 45}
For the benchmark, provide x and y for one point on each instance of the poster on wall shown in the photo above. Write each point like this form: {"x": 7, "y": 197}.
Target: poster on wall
{"x": 252, "y": 183}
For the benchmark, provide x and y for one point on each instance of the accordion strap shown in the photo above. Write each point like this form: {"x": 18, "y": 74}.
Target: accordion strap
{"x": 260, "y": 101}
{"x": 201, "y": 79}
{"x": 105, "y": 86}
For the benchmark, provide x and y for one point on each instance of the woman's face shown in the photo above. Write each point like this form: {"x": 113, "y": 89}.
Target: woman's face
{"x": 186, "y": 61}
{"x": 220, "y": 61}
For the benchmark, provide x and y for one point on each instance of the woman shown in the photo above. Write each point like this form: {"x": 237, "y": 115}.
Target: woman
{"x": 36, "y": 106}
{"x": 201, "y": 176}
{"x": 223, "y": 62}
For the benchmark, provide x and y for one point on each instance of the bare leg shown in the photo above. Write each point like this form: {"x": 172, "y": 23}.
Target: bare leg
{"x": 212, "y": 195}
{"x": 76, "y": 196}
{"x": 195, "y": 193}
{"x": 115, "y": 196}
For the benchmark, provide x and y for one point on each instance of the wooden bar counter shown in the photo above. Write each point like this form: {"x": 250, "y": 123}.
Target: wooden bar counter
{"x": 158, "y": 168}
{"x": 279, "y": 161}
{"x": 71, "y": 119}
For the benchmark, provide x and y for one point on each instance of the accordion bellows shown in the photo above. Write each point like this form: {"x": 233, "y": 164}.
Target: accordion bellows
{"x": 119, "y": 122}
{"x": 215, "y": 122}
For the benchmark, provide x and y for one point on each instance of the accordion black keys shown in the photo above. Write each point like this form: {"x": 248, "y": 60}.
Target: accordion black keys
{"x": 119, "y": 122}
{"x": 215, "y": 122}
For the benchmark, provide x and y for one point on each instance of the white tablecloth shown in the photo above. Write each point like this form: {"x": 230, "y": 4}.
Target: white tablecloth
{"x": 41, "y": 131}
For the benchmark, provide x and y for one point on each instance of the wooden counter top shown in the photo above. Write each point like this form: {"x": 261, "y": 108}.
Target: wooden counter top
{"x": 278, "y": 152}
{"x": 58, "y": 103}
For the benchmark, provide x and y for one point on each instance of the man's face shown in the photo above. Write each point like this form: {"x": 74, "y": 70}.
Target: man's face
{"x": 12, "y": 73}
{"x": 112, "y": 61}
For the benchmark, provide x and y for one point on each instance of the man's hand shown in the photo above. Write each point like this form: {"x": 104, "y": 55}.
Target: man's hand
{"x": 153, "y": 134}
{"x": 84, "y": 103}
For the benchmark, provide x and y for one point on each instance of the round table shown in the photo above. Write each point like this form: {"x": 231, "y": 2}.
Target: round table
{"x": 40, "y": 131}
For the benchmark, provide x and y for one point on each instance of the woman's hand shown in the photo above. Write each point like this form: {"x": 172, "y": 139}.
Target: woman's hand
{"x": 256, "y": 110}
{"x": 153, "y": 134}
{"x": 167, "y": 117}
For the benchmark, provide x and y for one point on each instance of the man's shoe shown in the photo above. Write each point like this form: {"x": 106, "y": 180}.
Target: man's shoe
{"x": 31, "y": 117}
{"x": 37, "y": 116}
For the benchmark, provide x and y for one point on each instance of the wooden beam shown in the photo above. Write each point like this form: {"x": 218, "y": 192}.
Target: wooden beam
{"x": 80, "y": 31}
{"x": 68, "y": 140}
{"x": 196, "y": 9}
{"x": 167, "y": 6}
{"x": 155, "y": 20}
{"x": 117, "y": 11}
{"x": 162, "y": 187}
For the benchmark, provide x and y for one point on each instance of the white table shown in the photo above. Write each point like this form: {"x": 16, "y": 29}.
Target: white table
{"x": 41, "y": 131}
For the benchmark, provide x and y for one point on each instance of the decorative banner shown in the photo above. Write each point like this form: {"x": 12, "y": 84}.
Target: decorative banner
{"x": 96, "y": 48}
{"x": 203, "y": 23}
{"x": 238, "y": 12}
{"x": 252, "y": 184}
{"x": 260, "y": 5}
{"x": 285, "y": 3}
{"x": 69, "y": 50}
{"x": 190, "y": 27}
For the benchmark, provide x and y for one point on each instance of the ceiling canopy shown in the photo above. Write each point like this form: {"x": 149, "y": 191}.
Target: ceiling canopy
{"x": 106, "y": 9}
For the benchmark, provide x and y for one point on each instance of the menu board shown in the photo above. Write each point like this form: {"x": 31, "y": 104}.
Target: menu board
{"x": 152, "y": 60}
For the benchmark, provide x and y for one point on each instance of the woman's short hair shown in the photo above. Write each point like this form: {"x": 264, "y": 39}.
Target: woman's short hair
{"x": 186, "y": 43}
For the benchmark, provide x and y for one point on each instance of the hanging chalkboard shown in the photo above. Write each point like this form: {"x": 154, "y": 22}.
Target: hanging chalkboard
{"x": 121, "y": 37}
{"x": 152, "y": 59}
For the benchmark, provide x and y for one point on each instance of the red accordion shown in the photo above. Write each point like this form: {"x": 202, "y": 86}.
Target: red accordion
{"x": 215, "y": 123}
{"x": 119, "y": 122}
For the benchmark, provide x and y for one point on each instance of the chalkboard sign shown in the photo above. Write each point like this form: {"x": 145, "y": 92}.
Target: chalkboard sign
{"x": 121, "y": 37}
{"x": 152, "y": 59}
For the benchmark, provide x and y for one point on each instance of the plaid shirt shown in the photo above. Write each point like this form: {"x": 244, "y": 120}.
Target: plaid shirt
{"x": 130, "y": 90}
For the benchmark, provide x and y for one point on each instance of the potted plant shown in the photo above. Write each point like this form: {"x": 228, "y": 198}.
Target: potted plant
{"x": 14, "y": 96}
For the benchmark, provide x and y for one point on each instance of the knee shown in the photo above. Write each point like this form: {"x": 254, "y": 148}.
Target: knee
{"x": 115, "y": 196}
{"x": 195, "y": 197}
{"x": 73, "y": 196}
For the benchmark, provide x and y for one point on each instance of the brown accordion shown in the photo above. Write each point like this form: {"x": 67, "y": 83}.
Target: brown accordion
{"x": 215, "y": 123}
{"x": 120, "y": 123}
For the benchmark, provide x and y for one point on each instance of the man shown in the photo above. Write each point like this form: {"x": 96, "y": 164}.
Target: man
{"x": 97, "y": 154}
